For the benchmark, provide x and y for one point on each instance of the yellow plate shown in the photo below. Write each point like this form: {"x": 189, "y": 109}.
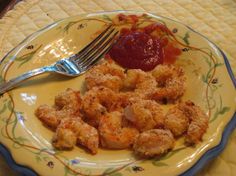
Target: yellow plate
{"x": 29, "y": 142}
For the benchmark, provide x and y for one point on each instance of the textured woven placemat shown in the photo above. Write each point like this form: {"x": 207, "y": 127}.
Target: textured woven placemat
{"x": 213, "y": 18}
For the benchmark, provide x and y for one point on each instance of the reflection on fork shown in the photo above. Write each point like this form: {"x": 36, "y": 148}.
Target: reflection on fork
{"x": 74, "y": 65}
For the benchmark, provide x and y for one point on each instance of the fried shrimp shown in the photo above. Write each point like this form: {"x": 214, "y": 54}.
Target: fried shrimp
{"x": 139, "y": 81}
{"x": 113, "y": 134}
{"x": 176, "y": 121}
{"x": 48, "y": 115}
{"x": 198, "y": 122}
{"x": 74, "y": 130}
{"x": 170, "y": 83}
{"x": 144, "y": 114}
{"x": 153, "y": 142}
{"x": 68, "y": 100}
{"x": 96, "y": 102}
{"x": 67, "y": 104}
{"x": 187, "y": 118}
{"x": 125, "y": 99}
{"x": 105, "y": 75}
{"x": 52, "y": 117}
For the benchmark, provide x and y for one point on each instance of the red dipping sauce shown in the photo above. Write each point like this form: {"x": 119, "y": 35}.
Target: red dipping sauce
{"x": 144, "y": 48}
{"x": 136, "y": 49}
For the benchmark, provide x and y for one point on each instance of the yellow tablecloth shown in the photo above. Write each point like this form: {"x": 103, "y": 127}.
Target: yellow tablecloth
{"x": 215, "y": 19}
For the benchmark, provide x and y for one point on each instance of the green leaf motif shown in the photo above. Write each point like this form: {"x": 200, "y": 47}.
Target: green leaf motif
{"x": 16, "y": 145}
{"x": 224, "y": 110}
{"x": 109, "y": 170}
{"x": 173, "y": 152}
{"x": 218, "y": 64}
{"x": 220, "y": 110}
{"x": 106, "y": 17}
{"x": 21, "y": 139}
{"x": 38, "y": 159}
{"x": 186, "y": 38}
{"x": 208, "y": 62}
{"x": 157, "y": 161}
{"x": 205, "y": 78}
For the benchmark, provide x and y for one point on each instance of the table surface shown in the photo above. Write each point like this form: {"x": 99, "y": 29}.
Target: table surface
{"x": 213, "y": 18}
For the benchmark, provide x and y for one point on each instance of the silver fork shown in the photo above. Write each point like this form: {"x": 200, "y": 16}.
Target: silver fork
{"x": 74, "y": 65}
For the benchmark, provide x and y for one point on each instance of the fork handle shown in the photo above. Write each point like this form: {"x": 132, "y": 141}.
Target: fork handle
{"x": 4, "y": 87}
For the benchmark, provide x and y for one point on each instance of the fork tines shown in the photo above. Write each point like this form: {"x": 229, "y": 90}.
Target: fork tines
{"x": 97, "y": 48}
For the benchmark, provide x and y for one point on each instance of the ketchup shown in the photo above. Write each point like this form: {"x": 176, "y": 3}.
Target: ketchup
{"x": 137, "y": 49}
{"x": 144, "y": 48}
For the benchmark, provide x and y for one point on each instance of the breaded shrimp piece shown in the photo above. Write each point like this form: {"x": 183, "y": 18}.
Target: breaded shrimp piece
{"x": 153, "y": 142}
{"x": 52, "y": 117}
{"x": 67, "y": 103}
{"x": 133, "y": 77}
{"x": 176, "y": 121}
{"x": 96, "y": 102}
{"x": 64, "y": 139}
{"x": 74, "y": 130}
{"x": 187, "y": 118}
{"x": 139, "y": 81}
{"x": 145, "y": 114}
{"x": 162, "y": 73}
{"x": 125, "y": 99}
{"x": 69, "y": 100}
{"x": 106, "y": 75}
{"x": 48, "y": 115}
{"x": 171, "y": 83}
{"x": 113, "y": 135}
{"x": 198, "y": 122}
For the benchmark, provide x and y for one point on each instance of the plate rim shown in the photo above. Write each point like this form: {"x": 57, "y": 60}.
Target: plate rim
{"x": 204, "y": 159}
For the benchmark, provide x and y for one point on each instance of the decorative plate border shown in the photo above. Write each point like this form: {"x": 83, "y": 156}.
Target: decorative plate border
{"x": 210, "y": 154}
